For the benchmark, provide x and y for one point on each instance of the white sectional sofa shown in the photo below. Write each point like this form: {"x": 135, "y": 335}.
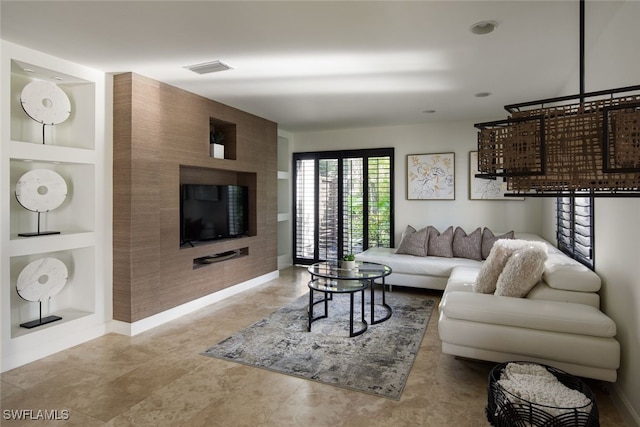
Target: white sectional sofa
{"x": 557, "y": 323}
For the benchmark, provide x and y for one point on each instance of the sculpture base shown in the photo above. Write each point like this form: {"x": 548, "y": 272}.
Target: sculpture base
{"x": 38, "y": 233}
{"x": 40, "y": 322}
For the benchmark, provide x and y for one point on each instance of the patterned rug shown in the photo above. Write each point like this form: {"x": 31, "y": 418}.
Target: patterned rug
{"x": 377, "y": 362}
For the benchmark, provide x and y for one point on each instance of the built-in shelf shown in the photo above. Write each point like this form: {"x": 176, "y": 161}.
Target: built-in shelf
{"x": 75, "y": 150}
{"x": 77, "y": 295}
{"x": 213, "y": 176}
{"x": 224, "y": 134}
{"x": 69, "y": 316}
{"x": 284, "y": 199}
{"x": 77, "y": 131}
{"x": 63, "y": 241}
{"x": 28, "y": 151}
{"x": 75, "y": 215}
{"x": 208, "y": 260}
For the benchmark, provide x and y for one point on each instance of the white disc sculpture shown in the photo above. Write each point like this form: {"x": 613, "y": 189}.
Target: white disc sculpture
{"x": 40, "y": 190}
{"x": 39, "y": 281}
{"x": 45, "y": 102}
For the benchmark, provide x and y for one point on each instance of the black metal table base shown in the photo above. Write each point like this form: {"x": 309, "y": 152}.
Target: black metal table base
{"x": 330, "y": 277}
{"x": 384, "y": 304}
{"x": 328, "y": 296}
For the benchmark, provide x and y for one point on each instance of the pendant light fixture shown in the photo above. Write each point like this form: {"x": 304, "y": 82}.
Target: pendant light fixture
{"x": 584, "y": 144}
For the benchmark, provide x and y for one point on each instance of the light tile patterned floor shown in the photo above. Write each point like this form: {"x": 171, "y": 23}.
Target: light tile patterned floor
{"x": 158, "y": 378}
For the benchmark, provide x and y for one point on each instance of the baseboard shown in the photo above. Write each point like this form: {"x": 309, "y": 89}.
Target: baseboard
{"x": 623, "y": 405}
{"x": 150, "y": 322}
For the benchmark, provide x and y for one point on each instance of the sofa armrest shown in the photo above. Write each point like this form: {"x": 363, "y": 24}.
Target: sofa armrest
{"x": 525, "y": 313}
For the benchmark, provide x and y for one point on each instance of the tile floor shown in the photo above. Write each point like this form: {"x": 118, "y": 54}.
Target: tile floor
{"x": 158, "y": 378}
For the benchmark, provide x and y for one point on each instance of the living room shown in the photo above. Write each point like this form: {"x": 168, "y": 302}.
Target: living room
{"x": 610, "y": 63}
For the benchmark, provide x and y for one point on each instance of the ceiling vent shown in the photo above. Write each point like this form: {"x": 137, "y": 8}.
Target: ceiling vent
{"x": 208, "y": 67}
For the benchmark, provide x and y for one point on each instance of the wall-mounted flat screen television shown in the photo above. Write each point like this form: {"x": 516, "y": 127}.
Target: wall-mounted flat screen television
{"x": 211, "y": 212}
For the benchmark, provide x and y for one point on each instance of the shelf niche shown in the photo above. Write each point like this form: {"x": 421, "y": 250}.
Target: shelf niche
{"x": 228, "y": 132}
{"x": 77, "y": 131}
{"x": 77, "y": 212}
{"x": 208, "y": 260}
{"x": 210, "y": 176}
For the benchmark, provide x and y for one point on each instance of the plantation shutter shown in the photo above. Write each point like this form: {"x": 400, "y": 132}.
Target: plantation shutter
{"x": 328, "y": 209}
{"x": 353, "y": 205}
{"x": 379, "y": 206}
{"x": 343, "y": 203}
{"x": 305, "y": 208}
{"x": 575, "y": 228}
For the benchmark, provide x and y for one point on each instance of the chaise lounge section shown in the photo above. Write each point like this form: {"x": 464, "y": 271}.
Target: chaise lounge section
{"x": 557, "y": 322}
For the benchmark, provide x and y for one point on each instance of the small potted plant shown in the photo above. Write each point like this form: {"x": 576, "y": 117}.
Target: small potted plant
{"x": 215, "y": 144}
{"x": 348, "y": 262}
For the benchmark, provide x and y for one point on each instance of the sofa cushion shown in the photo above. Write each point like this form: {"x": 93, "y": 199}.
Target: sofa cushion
{"x": 467, "y": 245}
{"x": 488, "y": 239}
{"x": 522, "y": 272}
{"x": 562, "y": 272}
{"x": 432, "y": 266}
{"x": 463, "y": 278}
{"x": 414, "y": 242}
{"x": 440, "y": 244}
{"x": 524, "y": 313}
{"x": 543, "y": 291}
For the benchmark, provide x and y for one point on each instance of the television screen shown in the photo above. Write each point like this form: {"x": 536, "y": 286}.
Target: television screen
{"x": 210, "y": 212}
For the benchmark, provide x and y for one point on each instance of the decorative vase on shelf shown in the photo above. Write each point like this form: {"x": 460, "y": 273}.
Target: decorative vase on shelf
{"x": 216, "y": 150}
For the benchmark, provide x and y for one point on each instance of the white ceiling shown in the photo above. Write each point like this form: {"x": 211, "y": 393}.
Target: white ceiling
{"x": 312, "y": 65}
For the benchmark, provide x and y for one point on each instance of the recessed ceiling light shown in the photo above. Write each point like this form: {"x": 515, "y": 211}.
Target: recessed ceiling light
{"x": 483, "y": 27}
{"x": 482, "y": 94}
{"x": 428, "y": 111}
{"x": 29, "y": 70}
{"x": 208, "y": 67}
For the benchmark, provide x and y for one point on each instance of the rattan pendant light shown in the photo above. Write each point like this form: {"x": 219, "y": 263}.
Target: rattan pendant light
{"x": 584, "y": 144}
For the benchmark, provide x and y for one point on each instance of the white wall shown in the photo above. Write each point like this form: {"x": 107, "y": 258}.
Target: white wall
{"x": 457, "y": 137}
{"x": 613, "y": 62}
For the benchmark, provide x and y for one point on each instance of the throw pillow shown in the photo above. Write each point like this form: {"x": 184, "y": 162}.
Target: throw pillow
{"x": 440, "y": 244}
{"x": 467, "y": 246}
{"x": 488, "y": 239}
{"x": 497, "y": 260}
{"x": 521, "y": 273}
{"x": 414, "y": 242}
{"x": 490, "y": 271}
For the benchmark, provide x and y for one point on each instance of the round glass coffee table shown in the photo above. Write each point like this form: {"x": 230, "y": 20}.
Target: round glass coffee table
{"x": 329, "y": 287}
{"x": 366, "y": 272}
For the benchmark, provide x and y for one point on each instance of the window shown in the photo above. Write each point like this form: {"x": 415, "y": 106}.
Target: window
{"x": 343, "y": 203}
{"x": 575, "y": 228}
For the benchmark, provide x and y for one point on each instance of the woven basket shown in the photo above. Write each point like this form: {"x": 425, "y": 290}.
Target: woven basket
{"x": 502, "y": 411}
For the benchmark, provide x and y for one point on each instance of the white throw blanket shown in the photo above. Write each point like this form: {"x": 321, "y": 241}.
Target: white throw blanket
{"x": 536, "y": 385}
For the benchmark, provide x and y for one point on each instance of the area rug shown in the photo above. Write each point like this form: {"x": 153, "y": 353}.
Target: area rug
{"x": 377, "y": 362}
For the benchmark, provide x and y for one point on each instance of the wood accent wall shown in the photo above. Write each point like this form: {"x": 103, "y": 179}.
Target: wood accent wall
{"x": 161, "y": 137}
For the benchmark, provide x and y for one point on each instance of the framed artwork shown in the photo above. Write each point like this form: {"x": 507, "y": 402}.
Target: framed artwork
{"x": 485, "y": 189}
{"x": 430, "y": 176}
